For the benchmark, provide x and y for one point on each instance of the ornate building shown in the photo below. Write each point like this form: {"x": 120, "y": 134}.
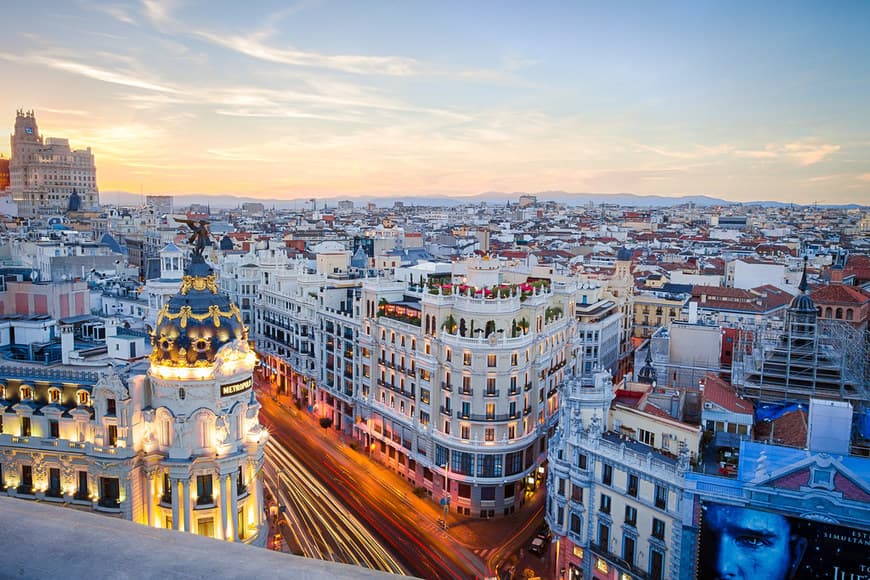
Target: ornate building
{"x": 173, "y": 442}
{"x": 46, "y": 176}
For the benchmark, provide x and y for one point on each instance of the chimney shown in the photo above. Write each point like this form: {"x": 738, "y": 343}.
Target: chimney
{"x": 67, "y": 344}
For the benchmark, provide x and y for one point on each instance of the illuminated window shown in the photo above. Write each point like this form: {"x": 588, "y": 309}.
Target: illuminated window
{"x": 465, "y": 431}
{"x": 25, "y": 393}
{"x": 489, "y": 434}
{"x": 490, "y": 360}
{"x": 54, "y": 396}
{"x": 448, "y": 354}
{"x": 83, "y": 398}
{"x": 513, "y": 359}
{"x": 601, "y": 565}
{"x": 466, "y": 358}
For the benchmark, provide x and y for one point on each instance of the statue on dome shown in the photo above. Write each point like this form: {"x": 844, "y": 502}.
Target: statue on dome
{"x": 199, "y": 239}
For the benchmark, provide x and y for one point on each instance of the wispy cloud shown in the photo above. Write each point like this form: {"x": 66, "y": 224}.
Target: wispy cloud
{"x": 255, "y": 46}
{"x": 804, "y": 153}
{"x": 101, "y": 74}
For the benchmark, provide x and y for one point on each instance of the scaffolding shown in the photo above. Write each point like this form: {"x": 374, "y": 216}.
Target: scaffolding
{"x": 802, "y": 358}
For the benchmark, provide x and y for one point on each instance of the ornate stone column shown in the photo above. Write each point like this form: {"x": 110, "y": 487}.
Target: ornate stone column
{"x": 224, "y": 504}
{"x": 188, "y": 509}
{"x": 234, "y": 508}
{"x": 176, "y": 498}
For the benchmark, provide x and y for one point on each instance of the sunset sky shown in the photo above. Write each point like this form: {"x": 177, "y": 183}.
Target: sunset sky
{"x": 740, "y": 100}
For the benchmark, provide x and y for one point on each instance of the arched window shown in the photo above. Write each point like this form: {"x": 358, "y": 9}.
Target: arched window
{"x": 54, "y": 395}
{"x": 25, "y": 392}
{"x": 839, "y": 315}
{"x": 83, "y": 399}
{"x": 849, "y": 314}
{"x": 829, "y": 312}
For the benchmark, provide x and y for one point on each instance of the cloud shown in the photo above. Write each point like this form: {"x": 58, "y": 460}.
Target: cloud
{"x": 254, "y": 47}
{"x": 809, "y": 153}
{"x": 159, "y": 12}
{"x": 805, "y": 153}
{"x": 100, "y": 74}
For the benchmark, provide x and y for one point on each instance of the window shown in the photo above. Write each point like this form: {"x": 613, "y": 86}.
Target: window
{"x": 204, "y": 489}
{"x": 647, "y": 437}
{"x": 82, "y": 490}
{"x": 605, "y": 504}
{"x": 630, "y": 516}
{"x": 628, "y": 550}
{"x": 25, "y": 426}
{"x": 561, "y": 487}
{"x": 581, "y": 461}
{"x": 661, "y": 497}
{"x": 576, "y": 494}
{"x": 466, "y": 384}
{"x": 448, "y": 354}
{"x": 656, "y": 565}
{"x": 109, "y": 492}
{"x": 26, "y": 485}
{"x": 25, "y": 393}
{"x": 110, "y": 407}
{"x": 512, "y": 431}
{"x": 658, "y": 529}
{"x": 489, "y": 434}
{"x": 466, "y": 358}
{"x": 465, "y": 431}
{"x": 112, "y": 436}
{"x": 54, "y": 396}
{"x": 607, "y": 475}
{"x": 53, "y": 429}
{"x": 490, "y": 360}
{"x": 604, "y": 536}
{"x": 575, "y": 524}
{"x": 53, "y": 483}
{"x": 490, "y": 386}
{"x": 632, "y": 485}
{"x": 167, "y": 489}
{"x": 513, "y": 359}
{"x": 82, "y": 398}
{"x": 205, "y": 527}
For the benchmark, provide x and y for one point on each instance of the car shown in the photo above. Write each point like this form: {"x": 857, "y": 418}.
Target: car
{"x": 544, "y": 533}
{"x": 538, "y": 546}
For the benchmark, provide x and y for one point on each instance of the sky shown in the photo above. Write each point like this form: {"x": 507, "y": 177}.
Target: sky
{"x": 740, "y": 100}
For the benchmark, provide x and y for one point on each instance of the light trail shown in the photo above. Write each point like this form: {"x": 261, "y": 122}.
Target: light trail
{"x": 318, "y": 522}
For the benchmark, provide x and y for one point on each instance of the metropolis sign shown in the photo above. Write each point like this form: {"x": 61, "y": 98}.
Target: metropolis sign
{"x": 740, "y": 542}
{"x": 236, "y": 388}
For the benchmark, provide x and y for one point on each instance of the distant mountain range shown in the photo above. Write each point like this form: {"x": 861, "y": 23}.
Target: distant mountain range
{"x": 495, "y": 197}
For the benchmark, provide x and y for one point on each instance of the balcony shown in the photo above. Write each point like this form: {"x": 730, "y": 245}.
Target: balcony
{"x": 445, "y": 411}
{"x": 467, "y": 392}
{"x": 491, "y": 393}
{"x": 446, "y": 387}
{"x": 483, "y": 417}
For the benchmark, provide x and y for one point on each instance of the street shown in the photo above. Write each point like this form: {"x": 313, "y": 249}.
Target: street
{"x": 406, "y": 525}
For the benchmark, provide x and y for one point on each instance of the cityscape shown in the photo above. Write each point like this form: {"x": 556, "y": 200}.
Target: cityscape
{"x": 343, "y": 302}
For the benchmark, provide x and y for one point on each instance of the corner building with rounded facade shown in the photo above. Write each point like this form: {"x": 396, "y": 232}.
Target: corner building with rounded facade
{"x": 459, "y": 382}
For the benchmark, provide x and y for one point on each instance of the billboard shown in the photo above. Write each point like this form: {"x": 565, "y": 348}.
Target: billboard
{"x": 740, "y": 543}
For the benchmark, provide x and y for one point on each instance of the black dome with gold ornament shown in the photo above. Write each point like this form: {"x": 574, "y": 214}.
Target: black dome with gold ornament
{"x": 195, "y": 323}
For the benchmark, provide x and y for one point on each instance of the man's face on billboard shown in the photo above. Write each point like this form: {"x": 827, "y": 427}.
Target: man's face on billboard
{"x": 747, "y": 544}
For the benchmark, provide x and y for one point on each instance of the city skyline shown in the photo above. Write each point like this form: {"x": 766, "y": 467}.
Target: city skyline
{"x": 312, "y": 99}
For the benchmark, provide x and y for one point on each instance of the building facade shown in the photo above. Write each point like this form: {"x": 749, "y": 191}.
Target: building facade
{"x": 47, "y": 176}
{"x": 171, "y": 442}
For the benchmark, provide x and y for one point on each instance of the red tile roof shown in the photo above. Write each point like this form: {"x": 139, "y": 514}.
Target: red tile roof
{"x": 790, "y": 429}
{"x": 721, "y": 393}
{"x": 840, "y": 294}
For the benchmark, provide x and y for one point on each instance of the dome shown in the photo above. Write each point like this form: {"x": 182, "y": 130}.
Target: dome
{"x": 624, "y": 255}
{"x": 226, "y": 243}
{"x": 197, "y": 322}
{"x": 802, "y": 303}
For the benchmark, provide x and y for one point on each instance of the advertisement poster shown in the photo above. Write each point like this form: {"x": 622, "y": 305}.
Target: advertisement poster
{"x": 738, "y": 543}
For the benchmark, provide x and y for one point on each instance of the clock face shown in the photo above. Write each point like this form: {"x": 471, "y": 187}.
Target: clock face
{"x": 28, "y": 130}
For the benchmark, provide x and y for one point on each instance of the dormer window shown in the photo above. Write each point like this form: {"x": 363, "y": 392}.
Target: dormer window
{"x": 821, "y": 478}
